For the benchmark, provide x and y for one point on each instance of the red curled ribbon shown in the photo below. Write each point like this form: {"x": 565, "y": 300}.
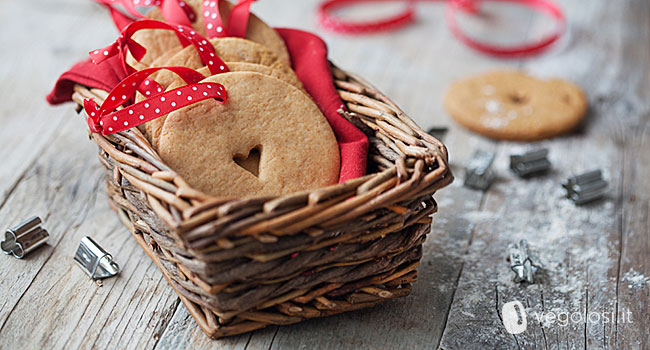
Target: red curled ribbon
{"x": 107, "y": 120}
{"x": 186, "y": 35}
{"x": 407, "y": 16}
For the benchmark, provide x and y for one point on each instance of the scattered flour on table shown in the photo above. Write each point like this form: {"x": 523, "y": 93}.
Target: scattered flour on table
{"x": 635, "y": 280}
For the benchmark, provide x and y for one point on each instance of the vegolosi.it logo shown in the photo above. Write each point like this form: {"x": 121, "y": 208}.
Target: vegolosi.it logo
{"x": 514, "y": 317}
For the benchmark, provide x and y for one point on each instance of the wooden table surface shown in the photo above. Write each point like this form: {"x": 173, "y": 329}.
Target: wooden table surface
{"x": 596, "y": 256}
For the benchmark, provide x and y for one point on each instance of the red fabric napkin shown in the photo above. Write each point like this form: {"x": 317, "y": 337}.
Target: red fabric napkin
{"x": 309, "y": 59}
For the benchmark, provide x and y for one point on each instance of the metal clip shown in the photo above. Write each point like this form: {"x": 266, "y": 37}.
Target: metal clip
{"x": 438, "y": 132}
{"x": 24, "y": 238}
{"x": 530, "y": 163}
{"x": 585, "y": 188}
{"x": 94, "y": 260}
{"x": 477, "y": 171}
{"x": 521, "y": 262}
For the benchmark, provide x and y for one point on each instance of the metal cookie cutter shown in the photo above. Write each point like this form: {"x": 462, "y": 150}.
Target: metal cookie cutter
{"x": 585, "y": 188}
{"x": 94, "y": 260}
{"x": 438, "y": 132}
{"x": 522, "y": 263}
{"x": 24, "y": 238}
{"x": 477, "y": 171}
{"x": 530, "y": 163}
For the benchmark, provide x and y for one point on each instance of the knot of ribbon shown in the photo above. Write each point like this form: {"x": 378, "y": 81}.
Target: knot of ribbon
{"x": 107, "y": 119}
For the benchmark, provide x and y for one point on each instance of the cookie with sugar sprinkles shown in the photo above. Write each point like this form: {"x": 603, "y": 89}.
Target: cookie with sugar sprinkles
{"x": 211, "y": 145}
{"x": 511, "y": 105}
{"x": 158, "y": 42}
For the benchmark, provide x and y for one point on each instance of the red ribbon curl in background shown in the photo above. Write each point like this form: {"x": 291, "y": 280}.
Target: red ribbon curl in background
{"x": 329, "y": 21}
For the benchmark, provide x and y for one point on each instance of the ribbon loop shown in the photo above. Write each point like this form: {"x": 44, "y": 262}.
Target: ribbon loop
{"x": 214, "y": 26}
{"x": 238, "y": 18}
{"x": 186, "y": 35}
{"x": 107, "y": 120}
{"x": 333, "y": 23}
{"x": 469, "y": 6}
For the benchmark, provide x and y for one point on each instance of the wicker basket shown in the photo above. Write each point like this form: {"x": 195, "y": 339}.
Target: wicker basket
{"x": 242, "y": 264}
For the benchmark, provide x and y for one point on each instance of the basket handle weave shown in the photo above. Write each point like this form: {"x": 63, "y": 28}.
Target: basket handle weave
{"x": 177, "y": 12}
{"x": 107, "y": 120}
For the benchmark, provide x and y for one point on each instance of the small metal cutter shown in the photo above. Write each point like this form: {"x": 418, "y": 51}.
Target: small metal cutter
{"x": 24, "y": 238}
{"x": 522, "y": 263}
{"x": 477, "y": 171}
{"x": 585, "y": 188}
{"x": 531, "y": 163}
{"x": 95, "y": 261}
{"x": 438, "y": 132}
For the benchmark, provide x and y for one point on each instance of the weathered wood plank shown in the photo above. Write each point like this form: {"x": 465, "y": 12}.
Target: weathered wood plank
{"x": 580, "y": 245}
{"x": 60, "y": 306}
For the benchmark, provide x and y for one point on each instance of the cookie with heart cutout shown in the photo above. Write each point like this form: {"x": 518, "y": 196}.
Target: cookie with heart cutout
{"x": 211, "y": 145}
{"x": 158, "y": 42}
{"x": 511, "y": 105}
{"x": 153, "y": 128}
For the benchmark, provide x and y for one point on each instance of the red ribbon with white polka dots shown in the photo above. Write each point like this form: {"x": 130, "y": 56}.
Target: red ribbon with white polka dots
{"x": 179, "y": 13}
{"x": 237, "y": 20}
{"x": 186, "y": 35}
{"x": 108, "y": 120}
{"x": 406, "y": 17}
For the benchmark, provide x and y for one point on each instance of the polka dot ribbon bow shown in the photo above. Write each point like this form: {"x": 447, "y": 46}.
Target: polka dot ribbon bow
{"x": 177, "y": 12}
{"x": 186, "y": 35}
{"x": 108, "y": 119}
{"x": 328, "y": 20}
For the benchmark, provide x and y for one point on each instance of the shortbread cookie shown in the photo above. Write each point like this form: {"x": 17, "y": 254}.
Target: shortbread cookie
{"x": 152, "y": 128}
{"x": 158, "y": 41}
{"x": 228, "y": 49}
{"x": 206, "y": 142}
{"x": 511, "y": 105}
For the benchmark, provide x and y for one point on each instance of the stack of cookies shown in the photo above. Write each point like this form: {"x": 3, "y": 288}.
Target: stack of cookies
{"x": 269, "y": 138}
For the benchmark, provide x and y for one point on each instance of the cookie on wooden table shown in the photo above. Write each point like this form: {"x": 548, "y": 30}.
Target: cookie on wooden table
{"x": 511, "y": 105}
{"x": 158, "y": 41}
{"x": 265, "y": 118}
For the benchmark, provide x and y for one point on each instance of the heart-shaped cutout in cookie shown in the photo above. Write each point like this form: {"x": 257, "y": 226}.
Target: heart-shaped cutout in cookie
{"x": 251, "y": 161}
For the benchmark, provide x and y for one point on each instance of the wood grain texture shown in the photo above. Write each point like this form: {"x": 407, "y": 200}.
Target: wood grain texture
{"x": 596, "y": 256}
